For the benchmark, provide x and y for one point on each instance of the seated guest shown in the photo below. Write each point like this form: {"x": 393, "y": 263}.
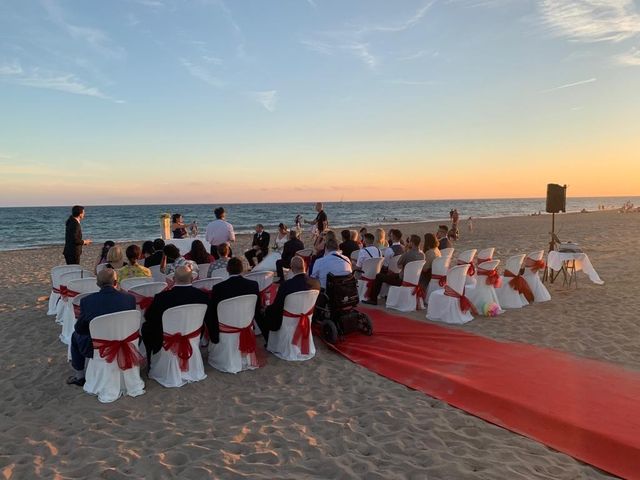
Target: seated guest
{"x": 349, "y": 245}
{"x": 107, "y": 300}
{"x": 158, "y": 252}
{"x": 102, "y": 258}
{"x": 288, "y": 252}
{"x": 198, "y": 253}
{"x": 381, "y": 239}
{"x": 331, "y": 262}
{"x": 181, "y": 294}
{"x": 369, "y": 251}
{"x": 134, "y": 269}
{"x": 395, "y": 248}
{"x": 223, "y": 258}
{"x": 234, "y": 286}
{"x": 431, "y": 251}
{"x": 147, "y": 251}
{"x": 300, "y": 282}
{"x": 172, "y": 260}
{"x": 441, "y": 235}
{"x": 392, "y": 278}
{"x": 259, "y": 246}
{"x": 115, "y": 258}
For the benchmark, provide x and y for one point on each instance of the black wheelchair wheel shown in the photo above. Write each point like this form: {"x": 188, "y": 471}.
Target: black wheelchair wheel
{"x": 329, "y": 332}
{"x": 365, "y": 324}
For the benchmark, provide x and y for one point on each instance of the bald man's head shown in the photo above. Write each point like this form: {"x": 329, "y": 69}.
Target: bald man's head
{"x": 183, "y": 275}
{"x": 297, "y": 265}
{"x": 107, "y": 277}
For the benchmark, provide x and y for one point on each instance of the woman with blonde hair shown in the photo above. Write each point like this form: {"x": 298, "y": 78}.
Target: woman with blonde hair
{"x": 115, "y": 258}
{"x": 381, "y": 239}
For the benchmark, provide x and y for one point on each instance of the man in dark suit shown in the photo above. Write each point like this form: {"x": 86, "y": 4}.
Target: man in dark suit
{"x": 73, "y": 241}
{"x": 441, "y": 235}
{"x": 259, "y": 246}
{"x": 156, "y": 257}
{"x": 288, "y": 252}
{"x": 235, "y": 286}
{"x": 183, "y": 293}
{"x": 107, "y": 300}
{"x": 300, "y": 282}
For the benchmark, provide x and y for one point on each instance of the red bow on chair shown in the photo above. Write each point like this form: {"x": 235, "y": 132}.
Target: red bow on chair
{"x": 247, "y": 343}
{"x": 442, "y": 279}
{"x": 534, "y": 265}
{"x": 142, "y": 301}
{"x": 418, "y": 291}
{"x": 370, "y": 284}
{"x": 493, "y": 278}
{"x": 472, "y": 269}
{"x": 519, "y": 284}
{"x": 302, "y": 335}
{"x": 465, "y": 303}
{"x": 127, "y": 354}
{"x": 180, "y": 345}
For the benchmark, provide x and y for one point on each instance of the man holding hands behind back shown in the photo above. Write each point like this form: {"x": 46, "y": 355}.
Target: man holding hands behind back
{"x": 73, "y": 241}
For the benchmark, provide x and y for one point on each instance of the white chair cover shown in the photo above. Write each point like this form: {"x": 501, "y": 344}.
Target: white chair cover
{"x": 207, "y": 284}
{"x": 447, "y": 252}
{"x": 443, "y": 308}
{"x": 268, "y": 263}
{"x": 100, "y": 267}
{"x": 404, "y": 298}
{"x": 281, "y": 341}
{"x": 165, "y": 365}
{"x": 439, "y": 268}
{"x": 157, "y": 275}
{"x": 146, "y": 290}
{"x": 220, "y": 273}
{"x": 203, "y": 268}
{"x": 532, "y": 277}
{"x": 67, "y": 315}
{"x": 484, "y": 255}
{"x": 370, "y": 268}
{"x": 483, "y": 293}
{"x": 508, "y": 297}
{"x": 265, "y": 280}
{"x": 56, "y": 272}
{"x": 225, "y": 356}
{"x": 63, "y": 280}
{"x": 354, "y": 256}
{"x": 392, "y": 267}
{"x": 127, "y": 283}
{"x": 106, "y": 379}
{"x": 466, "y": 258}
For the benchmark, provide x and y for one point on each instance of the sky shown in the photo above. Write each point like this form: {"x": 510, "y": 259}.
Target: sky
{"x": 210, "y": 101}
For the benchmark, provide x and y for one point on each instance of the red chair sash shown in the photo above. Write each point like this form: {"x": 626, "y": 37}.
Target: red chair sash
{"x": 493, "y": 278}
{"x": 534, "y": 265}
{"x": 66, "y": 294}
{"x": 442, "y": 279}
{"x": 302, "y": 335}
{"x": 127, "y": 354}
{"x": 142, "y": 301}
{"x": 267, "y": 293}
{"x": 180, "y": 346}
{"x": 370, "y": 284}
{"x": 465, "y": 303}
{"x": 418, "y": 291}
{"x": 247, "y": 340}
{"x": 472, "y": 269}
{"x": 55, "y": 290}
{"x": 519, "y": 284}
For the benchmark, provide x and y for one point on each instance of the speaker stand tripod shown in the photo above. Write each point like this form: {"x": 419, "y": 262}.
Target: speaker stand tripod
{"x": 548, "y": 273}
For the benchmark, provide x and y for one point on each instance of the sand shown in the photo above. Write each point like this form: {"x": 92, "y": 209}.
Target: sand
{"x": 327, "y": 418}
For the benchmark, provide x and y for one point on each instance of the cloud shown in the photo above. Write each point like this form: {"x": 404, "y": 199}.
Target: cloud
{"x": 591, "y": 20}
{"x": 312, "y": 3}
{"x": 361, "y": 50}
{"x": 202, "y": 73}
{"x": 629, "y": 59}
{"x": 62, "y": 82}
{"x": 401, "y": 26}
{"x": 318, "y": 46}
{"x": 570, "y": 85}
{"x": 267, "y": 99}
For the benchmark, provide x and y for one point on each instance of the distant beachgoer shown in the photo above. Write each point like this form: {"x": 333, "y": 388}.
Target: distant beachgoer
{"x": 321, "y": 221}
{"x": 298, "y": 223}
{"x": 178, "y": 227}
{"x": 455, "y": 217}
{"x": 219, "y": 231}
{"x": 451, "y": 214}
{"x": 470, "y": 224}
{"x": 73, "y": 241}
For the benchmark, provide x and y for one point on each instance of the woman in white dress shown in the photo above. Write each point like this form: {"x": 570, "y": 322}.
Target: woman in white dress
{"x": 281, "y": 238}
{"x": 268, "y": 263}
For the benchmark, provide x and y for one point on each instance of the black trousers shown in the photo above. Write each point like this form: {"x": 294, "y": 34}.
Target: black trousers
{"x": 72, "y": 258}
{"x": 280, "y": 266}
{"x": 390, "y": 278}
{"x": 251, "y": 254}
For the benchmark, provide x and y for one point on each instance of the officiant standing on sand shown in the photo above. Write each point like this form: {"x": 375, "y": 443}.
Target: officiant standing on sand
{"x": 73, "y": 241}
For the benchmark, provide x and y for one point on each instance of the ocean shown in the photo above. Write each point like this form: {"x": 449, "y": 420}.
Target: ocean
{"x": 29, "y": 227}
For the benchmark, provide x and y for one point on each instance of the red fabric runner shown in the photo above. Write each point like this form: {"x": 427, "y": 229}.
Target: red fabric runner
{"x": 519, "y": 284}
{"x": 584, "y": 408}
{"x": 127, "y": 354}
{"x": 247, "y": 344}
{"x": 302, "y": 334}
{"x": 180, "y": 345}
{"x": 465, "y": 303}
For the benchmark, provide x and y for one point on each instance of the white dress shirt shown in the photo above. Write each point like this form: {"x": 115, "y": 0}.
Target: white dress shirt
{"x": 389, "y": 254}
{"x": 367, "y": 252}
{"x": 220, "y": 231}
{"x": 332, "y": 262}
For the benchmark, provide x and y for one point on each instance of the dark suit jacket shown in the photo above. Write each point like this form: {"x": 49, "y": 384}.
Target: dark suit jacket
{"x": 348, "y": 247}
{"x": 299, "y": 283}
{"x": 154, "y": 259}
{"x": 107, "y": 300}
{"x": 444, "y": 243}
{"x": 234, "y": 286}
{"x": 289, "y": 250}
{"x": 72, "y": 238}
{"x": 152, "y": 327}
{"x": 262, "y": 242}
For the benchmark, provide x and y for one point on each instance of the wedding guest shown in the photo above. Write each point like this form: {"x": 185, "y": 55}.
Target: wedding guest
{"x": 369, "y": 250}
{"x": 259, "y": 246}
{"x": 147, "y": 250}
{"x": 134, "y": 269}
{"x": 73, "y": 241}
{"x": 219, "y": 231}
{"x": 431, "y": 251}
{"x": 331, "y": 262}
{"x": 102, "y": 257}
{"x": 288, "y": 252}
{"x": 158, "y": 252}
{"x": 441, "y": 235}
{"x": 198, "y": 253}
{"x": 380, "y": 239}
{"x": 348, "y": 245}
{"x": 178, "y": 227}
{"x": 115, "y": 258}
{"x": 395, "y": 248}
{"x": 107, "y": 300}
{"x": 281, "y": 238}
{"x": 221, "y": 261}
{"x": 172, "y": 260}
{"x": 321, "y": 222}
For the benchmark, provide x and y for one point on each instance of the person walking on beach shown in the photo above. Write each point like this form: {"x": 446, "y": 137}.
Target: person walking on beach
{"x": 73, "y": 241}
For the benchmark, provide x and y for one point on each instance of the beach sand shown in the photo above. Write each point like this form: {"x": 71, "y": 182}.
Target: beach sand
{"x": 327, "y": 418}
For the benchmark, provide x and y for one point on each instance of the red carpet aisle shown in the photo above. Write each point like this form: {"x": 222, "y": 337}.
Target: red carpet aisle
{"x": 585, "y": 408}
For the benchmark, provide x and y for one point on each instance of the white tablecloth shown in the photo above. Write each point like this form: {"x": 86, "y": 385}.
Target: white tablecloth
{"x": 184, "y": 244}
{"x": 556, "y": 259}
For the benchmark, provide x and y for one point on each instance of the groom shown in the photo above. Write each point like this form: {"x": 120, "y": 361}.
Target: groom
{"x": 259, "y": 246}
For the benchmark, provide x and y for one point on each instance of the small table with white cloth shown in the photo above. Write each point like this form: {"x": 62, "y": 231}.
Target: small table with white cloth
{"x": 569, "y": 263}
{"x": 184, "y": 244}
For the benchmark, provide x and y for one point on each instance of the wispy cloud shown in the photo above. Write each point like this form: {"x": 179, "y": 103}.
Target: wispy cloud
{"x": 570, "y": 85}
{"x": 361, "y": 50}
{"x": 399, "y": 26}
{"x": 591, "y": 20}
{"x": 317, "y": 46}
{"x": 202, "y": 73}
{"x": 629, "y": 59}
{"x": 312, "y": 3}
{"x": 62, "y": 82}
{"x": 268, "y": 99}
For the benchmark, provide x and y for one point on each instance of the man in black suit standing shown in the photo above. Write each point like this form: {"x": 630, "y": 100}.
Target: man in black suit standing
{"x": 288, "y": 252}
{"x": 107, "y": 300}
{"x": 300, "y": 282}
{"x": 183, "y": 293}
{"x": 235, "y": 286}
{"x": 259, "y": 246}
{"x": 73, "y": 241}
